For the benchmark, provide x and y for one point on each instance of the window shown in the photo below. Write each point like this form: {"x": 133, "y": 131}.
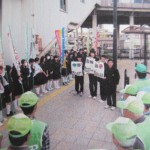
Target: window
{"x": 82, "y": 1}
{"x": 63, "y": 5}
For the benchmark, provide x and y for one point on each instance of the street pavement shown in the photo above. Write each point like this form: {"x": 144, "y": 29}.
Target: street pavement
{"x": 79, "y": 123}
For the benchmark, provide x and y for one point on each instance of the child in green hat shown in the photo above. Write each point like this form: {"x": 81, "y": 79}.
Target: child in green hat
{"x": 39, "y": 132}
{"x": 134, "y": 109}
{"x": 145, "y": 98}
{"x": 143, "y": 84}
{"x": 124, "y": 134}
{"x": 19, "y": 127}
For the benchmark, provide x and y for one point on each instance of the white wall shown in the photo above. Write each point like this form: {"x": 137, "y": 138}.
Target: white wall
{"x": 48, "y": 17}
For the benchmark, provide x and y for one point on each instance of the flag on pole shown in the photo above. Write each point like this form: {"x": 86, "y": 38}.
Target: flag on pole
{"x": 32, "y": 50}
{"x": 63, "y": 44}
{"x": 13, "y": 51}
{"x": 26, "y": 44}
{"x": 96, "y": 42}
{"x": 58, "y": 37}
{"x": 1, "y": 54}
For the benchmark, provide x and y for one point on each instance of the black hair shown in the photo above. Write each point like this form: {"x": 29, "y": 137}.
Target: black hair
{"x": 104, "y": 56}
{"x": 42, "y": 59}
{"x": 110, "y": 60}
{"x": 27, "y": 110}
{"x": 31, "y": 60}
{"x": 147, "y": 106}
{"x": 17, "y": 141}
{"x": 36, "y": 59}
{"x": 22, "y": 61}
{"x": 1, "y": 67}
{"x": 141, "y": 75}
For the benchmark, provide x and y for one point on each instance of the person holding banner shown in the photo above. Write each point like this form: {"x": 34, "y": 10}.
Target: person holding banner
{"x": 44, "y": 68}
{"x": 92, "y": 78}
{"x": 56, "y": 71}
{"x": 25, "y": 75}
{"x": 17, "y": 86}
{"x": 112, "y": 80}
{"x": 6, "y": 95}
{"x": 50, "y": 72}
{"x": 39, "y": 77}
{"x": 102, "y": 81}
{"x": 65, "y": 69}
{"x": 79, "y": 80}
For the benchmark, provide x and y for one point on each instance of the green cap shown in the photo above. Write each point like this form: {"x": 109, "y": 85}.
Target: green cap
{"x": 132, "y": 104}
{"x": 19, "y": 123}
{"x": 28, "y": 99}
{"x": 130, "y": 89}
{"x": 122, "y": 128}
{"x": 144, "y": 97}
{"x": 141, "y": 68}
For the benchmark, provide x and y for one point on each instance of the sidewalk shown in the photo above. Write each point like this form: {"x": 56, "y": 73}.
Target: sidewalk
{"x": 78, "y": 123}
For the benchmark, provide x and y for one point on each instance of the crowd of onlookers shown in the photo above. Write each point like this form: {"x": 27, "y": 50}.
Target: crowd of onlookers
{"x": 132, "y": 130}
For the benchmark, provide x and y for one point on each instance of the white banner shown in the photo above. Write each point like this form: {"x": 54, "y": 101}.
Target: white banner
{"x": 13, "y": 52}
{"x": 76, "y": 67}
{"x": 99, "y": 69}
{"x": 89, "y": 65}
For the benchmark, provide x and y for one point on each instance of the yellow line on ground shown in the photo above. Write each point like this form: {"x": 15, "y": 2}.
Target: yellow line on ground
{"x": 45, "y": 99}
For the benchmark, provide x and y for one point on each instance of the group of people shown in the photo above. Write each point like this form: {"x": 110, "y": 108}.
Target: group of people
{"x": 39, "y": 75}
{"x": 108, "y": 83}
{"x": 25, "y": 132}
{"x": 132, "y": 130}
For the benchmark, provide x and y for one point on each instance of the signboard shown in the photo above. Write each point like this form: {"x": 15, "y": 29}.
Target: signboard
{"x": 76, "y": 67}
{"x": 89, "y": 65}
{"x": 99, "y": 69}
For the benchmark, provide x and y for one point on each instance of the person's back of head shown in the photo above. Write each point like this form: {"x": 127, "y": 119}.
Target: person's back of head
{"x": 19, "y": 127}
{"x": 28, "y": 102}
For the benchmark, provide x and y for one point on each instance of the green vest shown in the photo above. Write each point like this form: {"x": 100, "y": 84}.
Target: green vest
{"x": 144, "y": 132}
{"x": 143, "y": 85}
{"x": 36, "y": 133}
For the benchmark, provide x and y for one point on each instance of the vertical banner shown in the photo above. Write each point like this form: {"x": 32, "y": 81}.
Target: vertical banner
{"x": 26, "y": 44}
{"x": 88, "y": 42}
{"x": 13, "y": 53}
{"x": 1, "y": 54}
{"x": 63, "y": 44}
{"x": 96, "y": 42}
{"x": 32, "y": 50}
{"x": 58, "y": 37}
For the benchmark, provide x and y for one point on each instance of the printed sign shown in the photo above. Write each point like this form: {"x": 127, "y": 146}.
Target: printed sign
{"x": 99, "y": 69}
{"x": 76, "y": 68}
{"x": 89, "y": 65}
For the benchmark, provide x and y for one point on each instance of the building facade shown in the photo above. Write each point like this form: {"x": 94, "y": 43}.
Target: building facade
{"x": 39, "y": 17}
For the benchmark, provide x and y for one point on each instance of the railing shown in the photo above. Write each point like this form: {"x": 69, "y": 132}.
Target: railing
{"x": 126, "y": 4}
{"x": 48, "y": 47}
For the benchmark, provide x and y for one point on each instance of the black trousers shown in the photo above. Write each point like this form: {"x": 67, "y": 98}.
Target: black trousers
{"x": 103, "y": 88}
{"x": 111, "y": 98}
{"x": 79, "y": 83}
{"x": 93, "y": 85}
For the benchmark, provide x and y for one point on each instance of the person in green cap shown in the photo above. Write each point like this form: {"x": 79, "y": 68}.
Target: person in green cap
{"x": 129, "y": 90}
{"x": 39, "y": 132}
{"x": 145, "y": 98}
{"x": 134, "y": 110}
{"x": 124, "y": 134}
{"x": 143, "y": 84}
{"x": 19, "y": 127}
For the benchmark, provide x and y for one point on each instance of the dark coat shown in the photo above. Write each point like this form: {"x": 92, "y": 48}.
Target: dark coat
{"x": 112, "y": 79}
{"x": 56, "y": 70}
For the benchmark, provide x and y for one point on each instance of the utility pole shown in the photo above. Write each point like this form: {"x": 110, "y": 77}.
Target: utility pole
{"x": 115, "y": 33}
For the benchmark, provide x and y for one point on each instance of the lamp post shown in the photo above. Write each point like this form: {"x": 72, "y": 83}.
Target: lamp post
{"x": 115, "y": 32}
